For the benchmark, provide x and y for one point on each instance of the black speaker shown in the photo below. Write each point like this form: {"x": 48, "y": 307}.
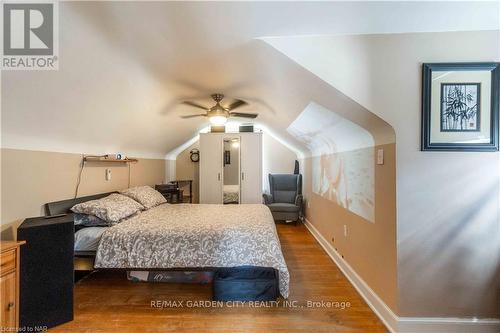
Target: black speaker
{"x": 46, "y": 279}
{"x": 246, "y": 128}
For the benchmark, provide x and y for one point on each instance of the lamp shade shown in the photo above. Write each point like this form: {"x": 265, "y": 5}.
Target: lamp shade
{"x": 218, "y": 120}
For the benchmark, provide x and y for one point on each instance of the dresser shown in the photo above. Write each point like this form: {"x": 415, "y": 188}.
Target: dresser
{"x": 9, "y": 285}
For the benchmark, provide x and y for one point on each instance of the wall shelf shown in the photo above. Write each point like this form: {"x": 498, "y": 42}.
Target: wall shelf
{"x": 107, "y": 160}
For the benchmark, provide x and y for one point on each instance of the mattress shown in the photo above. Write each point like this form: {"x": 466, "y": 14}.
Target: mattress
{"x": 189, "y": 236}
{"x": 231, "y": 193}
{"x": 171, "y": 276}
{"x": 87, "y": 239}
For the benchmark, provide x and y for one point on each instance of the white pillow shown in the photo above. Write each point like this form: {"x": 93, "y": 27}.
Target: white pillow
{"x": 145, "y": 195}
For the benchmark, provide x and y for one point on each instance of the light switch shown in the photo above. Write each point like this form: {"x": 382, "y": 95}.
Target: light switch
{"x": 380, "y": 156}
{"x": 108, "y": 175}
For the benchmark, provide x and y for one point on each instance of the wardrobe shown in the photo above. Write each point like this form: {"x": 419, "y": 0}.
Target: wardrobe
{"x": 230, "y": 168}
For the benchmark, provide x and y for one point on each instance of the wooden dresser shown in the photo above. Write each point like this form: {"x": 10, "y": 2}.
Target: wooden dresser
{"x": 9, "y": 285}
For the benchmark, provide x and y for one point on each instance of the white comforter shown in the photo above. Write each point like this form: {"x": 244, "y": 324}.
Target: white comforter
{"x": 183, "y": 235}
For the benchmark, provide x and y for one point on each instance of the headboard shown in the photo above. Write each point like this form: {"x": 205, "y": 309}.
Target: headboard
{"x": 64, "y": 206}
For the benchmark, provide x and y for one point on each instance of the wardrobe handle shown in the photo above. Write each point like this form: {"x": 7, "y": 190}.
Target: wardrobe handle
{"x": 218, "y": 176}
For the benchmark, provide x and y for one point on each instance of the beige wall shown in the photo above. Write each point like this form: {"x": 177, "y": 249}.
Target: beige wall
{"x": 32, "y": 178}
{"x": 370, "y": 248}
{"x": 187, "y": 169}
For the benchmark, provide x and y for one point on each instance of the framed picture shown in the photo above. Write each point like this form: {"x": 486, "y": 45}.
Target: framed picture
{"x": 460, "y": 106}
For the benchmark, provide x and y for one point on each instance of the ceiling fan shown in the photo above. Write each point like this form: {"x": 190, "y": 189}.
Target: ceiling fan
{"x": 218, "y": 114}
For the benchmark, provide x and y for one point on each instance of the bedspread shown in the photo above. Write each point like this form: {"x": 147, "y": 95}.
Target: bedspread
{"x": 186, "y": 236}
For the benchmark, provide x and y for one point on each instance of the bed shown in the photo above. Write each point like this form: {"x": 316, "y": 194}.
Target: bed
{"x": 191, "y": 236}
{"x": 231, "y": 194}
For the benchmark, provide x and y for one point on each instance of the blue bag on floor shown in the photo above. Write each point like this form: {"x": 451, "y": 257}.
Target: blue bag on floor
{"x": 246, "y": 283}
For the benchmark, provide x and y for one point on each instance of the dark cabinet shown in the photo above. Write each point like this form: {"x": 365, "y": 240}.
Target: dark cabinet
{"x": 46, "y": 279}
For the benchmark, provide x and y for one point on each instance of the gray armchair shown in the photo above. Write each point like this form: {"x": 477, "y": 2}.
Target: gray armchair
{"x": 285, "y": 199}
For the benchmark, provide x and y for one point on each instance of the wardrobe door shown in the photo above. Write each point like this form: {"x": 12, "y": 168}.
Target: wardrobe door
{"x": 211, "y": 168}
{"x": 251, "y": 168}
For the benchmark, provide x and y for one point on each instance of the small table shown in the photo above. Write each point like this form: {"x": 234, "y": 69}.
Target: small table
{"x": 172, "y": 191}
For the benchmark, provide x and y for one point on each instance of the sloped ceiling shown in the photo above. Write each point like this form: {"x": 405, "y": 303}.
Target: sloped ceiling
{"x": 125, "y": 66}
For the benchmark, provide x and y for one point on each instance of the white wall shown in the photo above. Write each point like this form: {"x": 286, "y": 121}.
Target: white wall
{"x": 448, "y": 215}
{"x": 170, "y": 170}
{"x": 124, "y": 67}
{"x": 276, "y": 158}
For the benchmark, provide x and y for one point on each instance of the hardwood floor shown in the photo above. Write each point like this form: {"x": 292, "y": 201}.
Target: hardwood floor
{"x": 107, "y": 302}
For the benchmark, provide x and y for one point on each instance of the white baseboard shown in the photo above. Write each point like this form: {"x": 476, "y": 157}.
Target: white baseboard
{"x": 447, "y": 325}
{"x": 394, "y": 323}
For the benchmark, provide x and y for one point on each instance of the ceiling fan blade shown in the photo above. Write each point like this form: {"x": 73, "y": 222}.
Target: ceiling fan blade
{"x": 193, "y": 116}
{"x": 243, "y": 115}
{"x": 236, "y": 104}
{"x": 195, "y": 105}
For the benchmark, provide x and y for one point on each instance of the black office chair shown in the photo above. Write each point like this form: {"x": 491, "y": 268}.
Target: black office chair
{"x": 285, "y": 199}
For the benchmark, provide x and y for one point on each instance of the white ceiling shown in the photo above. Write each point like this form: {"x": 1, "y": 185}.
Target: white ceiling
{"x": 125, "y": 66}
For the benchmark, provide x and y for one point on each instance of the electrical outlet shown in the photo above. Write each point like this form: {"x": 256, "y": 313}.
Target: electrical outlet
{"x": 345, "y": 230}
{"x": 108, "y": 175}
{"x": 380, "y": 156}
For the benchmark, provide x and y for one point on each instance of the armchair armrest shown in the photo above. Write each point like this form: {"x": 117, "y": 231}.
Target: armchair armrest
{"x": 298, "y": 200}
{"x": 268, "y": 199}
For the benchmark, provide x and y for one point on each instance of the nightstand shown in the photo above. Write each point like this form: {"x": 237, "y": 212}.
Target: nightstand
{"x": 9, "y": 285}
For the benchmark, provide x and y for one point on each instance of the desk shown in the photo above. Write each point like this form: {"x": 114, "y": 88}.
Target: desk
{"x": 172, "y": 191}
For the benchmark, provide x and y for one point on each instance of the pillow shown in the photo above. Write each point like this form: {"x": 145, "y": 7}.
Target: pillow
{"x": 89, "y": 220}
{"x": 112, "y": 208}
{"x": 145, "y": 195}
{"x": 87, "y": 239}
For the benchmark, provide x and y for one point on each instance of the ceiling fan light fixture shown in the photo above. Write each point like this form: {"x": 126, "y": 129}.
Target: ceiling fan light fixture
{"x": 218, "y": 114}
{"x": 218, "y": 120}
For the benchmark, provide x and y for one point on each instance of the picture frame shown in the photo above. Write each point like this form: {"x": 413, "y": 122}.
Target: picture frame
{"x": 460, "y": 106}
